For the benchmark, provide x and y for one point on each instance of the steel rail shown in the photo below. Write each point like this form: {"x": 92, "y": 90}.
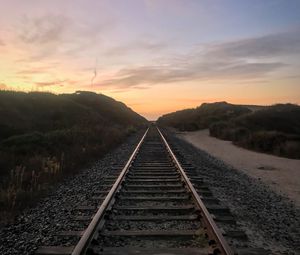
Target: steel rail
{"x": 212, "y": 227}
{"x": 86, "y": 238}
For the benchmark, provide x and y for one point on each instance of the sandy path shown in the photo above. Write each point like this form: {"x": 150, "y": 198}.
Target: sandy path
{"x": 281, "y": 174}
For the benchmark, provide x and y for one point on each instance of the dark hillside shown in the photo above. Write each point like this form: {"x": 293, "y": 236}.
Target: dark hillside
{"x": 26, "y": 112}
{"x": 44, "y": 137}
{"x": 203, "y": 116}
{"x": 272, "y": 129}
{"x": 281, "y": 118}
{"x": 110, "y": 109}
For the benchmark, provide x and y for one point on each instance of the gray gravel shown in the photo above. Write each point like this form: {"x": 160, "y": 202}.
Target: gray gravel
{"x": 37, "y": 226}
{"x": 150, "y": 225}
{"x": 270, "y": 220}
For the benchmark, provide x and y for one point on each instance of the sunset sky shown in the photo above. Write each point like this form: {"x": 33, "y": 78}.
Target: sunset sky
{"x": 156, "y": 56}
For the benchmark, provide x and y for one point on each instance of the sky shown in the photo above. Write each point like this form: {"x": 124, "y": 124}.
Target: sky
{"x": 156, "y": 56}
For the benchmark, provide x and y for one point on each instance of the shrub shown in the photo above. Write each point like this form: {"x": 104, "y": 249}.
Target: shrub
{"x": 270, "y": 142}
{"x": 291, "y": 149}
{"x": 240, "y": 134}
{"x": 221, "y": 130}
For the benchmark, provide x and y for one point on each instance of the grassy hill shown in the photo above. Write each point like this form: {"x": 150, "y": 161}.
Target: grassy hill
{"x": 283, "y": 118}
{"x": 203, "y": 116}
{"x": 21, "y": 113}
{"x": 272, "y": 129}
{"x": 44, "y": 137}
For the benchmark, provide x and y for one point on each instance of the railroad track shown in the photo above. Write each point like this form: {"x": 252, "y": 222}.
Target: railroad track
{"x": 154, "y": 205}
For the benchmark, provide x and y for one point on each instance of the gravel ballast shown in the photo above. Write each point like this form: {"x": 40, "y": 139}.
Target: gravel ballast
{"x": 37, "y": 226}
{"x": 271, "y": 221}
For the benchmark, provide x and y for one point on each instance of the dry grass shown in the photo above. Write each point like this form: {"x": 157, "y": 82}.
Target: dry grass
{"x": 25, "y": 186}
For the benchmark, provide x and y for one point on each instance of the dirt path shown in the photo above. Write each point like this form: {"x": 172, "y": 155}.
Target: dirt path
{"x": 281, "y": 174}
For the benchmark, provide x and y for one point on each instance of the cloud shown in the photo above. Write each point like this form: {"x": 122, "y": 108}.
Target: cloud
{"x": 150, "y": 75}
{"x": 50, "y": 83}
{"x": 43, "y": 36}
{"x": 245, "y": 59}
{"x": 1, "y": 42}
{"x": 59, "y": 35}
{"x": 36, "y": 70}
{"x": 43, "y": 30}
{"x": 285, "y": 43}
{"x": 140, "y": 45}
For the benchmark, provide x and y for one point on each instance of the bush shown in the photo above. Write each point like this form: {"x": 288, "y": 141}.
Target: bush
{"x": 270, "y": 142}
{"x": 240, "y": 134}
{"x": 291, "y": 149}
{"x": 221, "y": 129}
{"x": 283, "y": 118}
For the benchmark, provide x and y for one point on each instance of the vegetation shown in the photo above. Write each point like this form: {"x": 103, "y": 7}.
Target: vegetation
{"x": 273, "y": 129}
{"x": 203, "y": 116}
{"x": 44, "y": 137}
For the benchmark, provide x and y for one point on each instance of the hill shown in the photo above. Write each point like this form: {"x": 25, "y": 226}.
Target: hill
{"x": 203, "y": 116}
{"x": 21, "y": 113}
{"x": 44, "y": 137}
{"x": 274, "y": 129}
{"x": 271, "y": 129}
